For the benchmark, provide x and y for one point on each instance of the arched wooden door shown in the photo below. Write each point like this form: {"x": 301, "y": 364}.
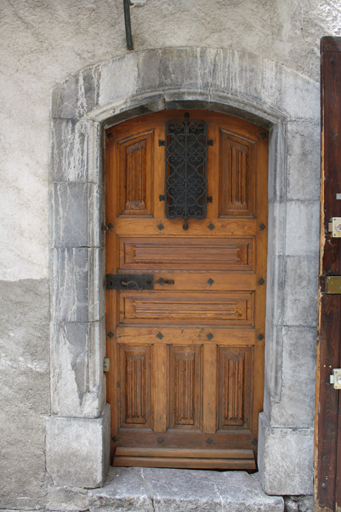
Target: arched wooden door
{"x": 185, "y": 331}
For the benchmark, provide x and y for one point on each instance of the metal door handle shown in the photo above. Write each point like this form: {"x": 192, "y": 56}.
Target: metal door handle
{"x": 164, "y": 281}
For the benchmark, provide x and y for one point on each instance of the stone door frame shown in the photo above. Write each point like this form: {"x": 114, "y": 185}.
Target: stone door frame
{"x": 82, "y": 107}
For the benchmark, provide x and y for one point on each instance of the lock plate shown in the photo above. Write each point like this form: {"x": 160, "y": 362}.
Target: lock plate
{"x": 335, "y": 378}
{"x": 336, "y": 227}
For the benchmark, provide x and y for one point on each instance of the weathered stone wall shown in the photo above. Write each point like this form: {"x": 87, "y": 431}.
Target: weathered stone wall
{"x": 43, "y": 43}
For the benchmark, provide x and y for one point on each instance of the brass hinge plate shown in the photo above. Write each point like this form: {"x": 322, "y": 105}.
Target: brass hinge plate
{"x": 333, "y": 284}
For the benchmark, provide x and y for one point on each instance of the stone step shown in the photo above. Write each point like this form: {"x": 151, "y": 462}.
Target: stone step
{"x": 169, "y": 490}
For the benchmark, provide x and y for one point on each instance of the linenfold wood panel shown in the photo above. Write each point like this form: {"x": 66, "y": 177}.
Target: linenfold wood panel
{"x": 187, "y": 357}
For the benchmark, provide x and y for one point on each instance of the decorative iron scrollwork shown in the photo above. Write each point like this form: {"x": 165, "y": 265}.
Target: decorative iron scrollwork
{"x": 186, "y": 170}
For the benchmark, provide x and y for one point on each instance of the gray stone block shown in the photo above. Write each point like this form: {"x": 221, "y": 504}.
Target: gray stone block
{"x": 69, "y": 150}
{"x": 191, "y": 69}
{"x": 181, "y": 490}
{"x": 69, "y": 368}
{"x": 96, "y": 293}
{"x": 70, "y": 214}
{"x": 77, "y": 95}
{"x": 303, "y": 147}
{"x": 77, "y": 379}
{"x": 277, "y": 162}
{"x": 169, "y": 490}
{"x": 275, "y": 289}
{"x": 285, "y": 459}
{"x": 96, "y": 219}
{"x": 69, "y": 285}
{"x": 272, "y": 364}
{"x": 118, "y": 79}
{"x": 296, "y": 407}
{"x": 300, "y": 292}
{"x": 302, "y": 228}
{"x": 77, "y": 450}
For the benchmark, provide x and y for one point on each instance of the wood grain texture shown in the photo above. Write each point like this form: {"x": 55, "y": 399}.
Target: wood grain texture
{"x": 177, "y": 253}
{"x": 237, "y": 175}
{"x": 327, "y": 484}
{"x": 135, "y": 178}
{"x": 185, "y": 391}
{"x": 168, "y": 387}
{"x": 213, "y": 308}
{"x": 135, "y": 386}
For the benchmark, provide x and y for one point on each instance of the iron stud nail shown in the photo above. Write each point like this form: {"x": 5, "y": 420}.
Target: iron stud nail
{"x": 261, "y": 281}
{"x": 160, "y": 226}
{"x": 260, "y": 337}
{"x": 110, "y": 226}
{"x": 262, "y": 226}
{"x": 159, "y": 335}
{"x": 111, "y": 334}
{"x": 209, "y": 336}
{"x": 209, "y": 440}
{"x": 114, "y": 439}
{"x": 211, "y": 226}
{"x": 160, "y": 440}
{"x": 263, "y": 135}
{"x": 210, "y": 281}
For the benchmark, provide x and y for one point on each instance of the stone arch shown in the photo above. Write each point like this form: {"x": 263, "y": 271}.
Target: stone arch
{"x": 237, "y": 83}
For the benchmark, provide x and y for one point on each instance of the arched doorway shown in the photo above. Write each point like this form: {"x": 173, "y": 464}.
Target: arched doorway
{"x": 186, "y": 268}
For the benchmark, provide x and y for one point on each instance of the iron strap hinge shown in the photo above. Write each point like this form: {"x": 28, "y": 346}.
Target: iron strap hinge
{"x": 134, "y": 281}
{"x": 332, "y": 285}
{"x": 130, "y": 281}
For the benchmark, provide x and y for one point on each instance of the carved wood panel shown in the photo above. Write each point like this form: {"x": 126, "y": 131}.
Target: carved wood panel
{"x": 235, "y": 372}
{"x": 185, "y": 389}
{"x": 233, "y": 308}
{"x": 135, "y": 162}
{"x": 135, "y": 386}
{"x": 237, "y": 175}
{"x": 177, "y": 253}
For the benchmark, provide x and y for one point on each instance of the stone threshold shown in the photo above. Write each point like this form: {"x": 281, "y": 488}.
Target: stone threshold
{"x": 168, "y": 490}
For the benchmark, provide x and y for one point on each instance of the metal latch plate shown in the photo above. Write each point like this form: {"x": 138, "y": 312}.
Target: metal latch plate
{"x": 335, "y": 379}
{"x": 130, "y": 281}
{"x": 333, "y": 284}
{"x": 335, "y": 227}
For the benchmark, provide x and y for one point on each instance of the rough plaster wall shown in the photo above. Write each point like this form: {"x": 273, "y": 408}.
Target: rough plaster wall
{"x": 24, "y": 391}
{"x": 43, "y": 42}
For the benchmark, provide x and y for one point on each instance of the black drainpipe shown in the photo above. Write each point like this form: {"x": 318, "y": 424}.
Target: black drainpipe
{"x": 126, "y": 6}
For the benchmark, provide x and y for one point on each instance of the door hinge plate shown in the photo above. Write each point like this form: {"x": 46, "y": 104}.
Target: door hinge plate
{"x": 335, "y": 378}
{"x": 333, "y": 284}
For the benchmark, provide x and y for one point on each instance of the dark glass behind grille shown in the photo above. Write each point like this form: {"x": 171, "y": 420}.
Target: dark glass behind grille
{"x": 186, "y": 170}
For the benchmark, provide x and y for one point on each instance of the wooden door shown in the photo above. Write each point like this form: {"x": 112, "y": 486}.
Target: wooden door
{"x": 327, "y": 488}
{"x": 186, "y": 357}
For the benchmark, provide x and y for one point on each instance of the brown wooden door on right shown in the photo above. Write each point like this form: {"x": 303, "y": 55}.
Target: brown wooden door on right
{"x": 187, "y": 357}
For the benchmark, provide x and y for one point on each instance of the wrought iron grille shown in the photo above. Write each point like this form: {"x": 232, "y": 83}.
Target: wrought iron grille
{"x": 186, "y": 170}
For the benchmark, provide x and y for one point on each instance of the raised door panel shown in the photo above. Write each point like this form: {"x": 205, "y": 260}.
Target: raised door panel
{"x": 135, "y": 386}
{"x": 237, "y": 175}
{"x": 234, "y": 377}
{"x": 176, "y": 253}
{"x": 215, "y": 308}
{"x": 185, "y": 387}
{"x": 135, "y": 174}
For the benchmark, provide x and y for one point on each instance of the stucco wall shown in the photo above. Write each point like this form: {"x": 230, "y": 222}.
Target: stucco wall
{"x": 43, "y": 43}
